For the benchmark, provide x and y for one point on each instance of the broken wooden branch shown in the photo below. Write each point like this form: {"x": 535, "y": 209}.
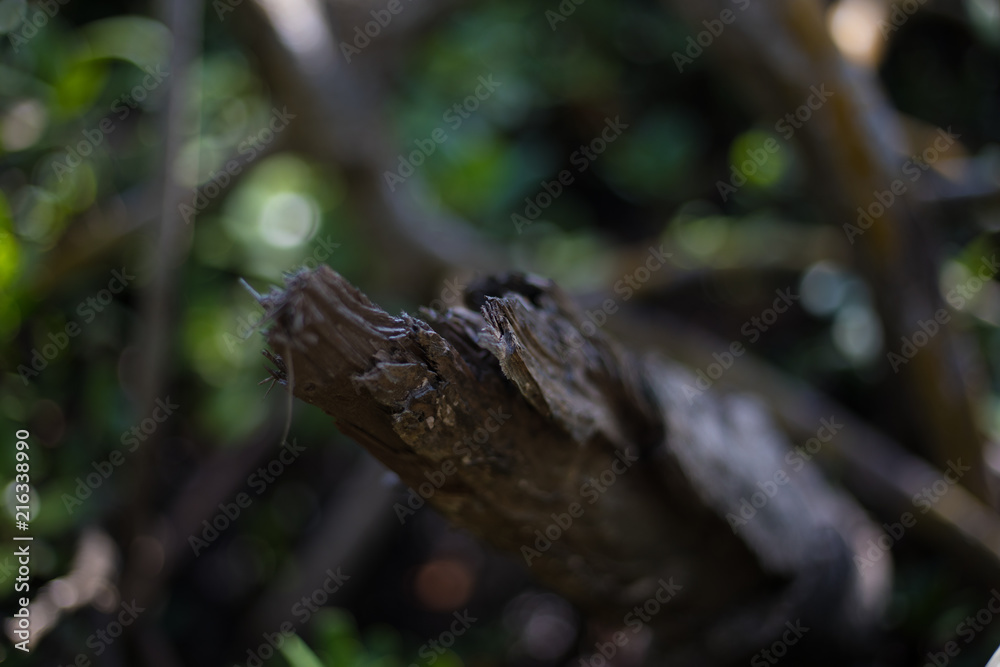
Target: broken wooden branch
{"x": 886, "y": 477}
{"x": 606, "y": 472}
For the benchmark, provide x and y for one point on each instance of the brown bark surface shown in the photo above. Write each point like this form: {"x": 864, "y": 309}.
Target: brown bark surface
{"x": 525, "y": 422}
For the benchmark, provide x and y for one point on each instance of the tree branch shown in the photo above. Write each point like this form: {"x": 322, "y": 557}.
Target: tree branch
{"x": 601, "y": 470}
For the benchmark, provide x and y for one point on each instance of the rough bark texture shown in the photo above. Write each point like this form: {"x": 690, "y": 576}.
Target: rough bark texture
{"x": 525, "y": 416}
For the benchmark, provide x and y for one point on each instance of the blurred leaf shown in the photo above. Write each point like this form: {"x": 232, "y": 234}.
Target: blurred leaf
{"x": 760, "y": 166}
{"x": 141, "y": 41}
{"x": 78, "y": 86}
{"x": 654, "y": 158}
{"x": 298, "y": 654}
{"x": 338, "y": 636}
{"x": 473, "y": 173}
{"x": 10, "y": 250}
